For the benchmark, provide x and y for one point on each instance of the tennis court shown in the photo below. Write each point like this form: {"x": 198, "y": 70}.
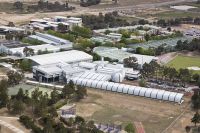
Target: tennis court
{"x": 154, "y": 44}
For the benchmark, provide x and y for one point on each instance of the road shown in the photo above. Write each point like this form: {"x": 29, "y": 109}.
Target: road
{"x": 9, "y": 126}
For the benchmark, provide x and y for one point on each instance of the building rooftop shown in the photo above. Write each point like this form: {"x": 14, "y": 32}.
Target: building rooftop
{"x": 7, "y": 28}
{"x": 12, "y": 44}
{"x": 118, "y": 54}
{"x": 36, "y": 48}
{"x": 72, "y": 56}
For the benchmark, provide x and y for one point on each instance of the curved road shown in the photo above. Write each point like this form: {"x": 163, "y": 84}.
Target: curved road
{"x": 11, "y": 127}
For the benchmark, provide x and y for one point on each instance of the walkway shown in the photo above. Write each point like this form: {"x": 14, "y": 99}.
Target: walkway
{"x": 11, "y": 127}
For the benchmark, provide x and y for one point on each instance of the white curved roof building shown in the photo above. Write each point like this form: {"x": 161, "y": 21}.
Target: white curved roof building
{"x": 72, "y": 56}
{"x": 131, "y": 90}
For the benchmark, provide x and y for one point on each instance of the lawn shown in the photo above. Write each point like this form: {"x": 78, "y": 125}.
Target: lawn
{"x": 14, "y": 90}
{"x": 181, "y": 61}
{"x": 177, "y": 14}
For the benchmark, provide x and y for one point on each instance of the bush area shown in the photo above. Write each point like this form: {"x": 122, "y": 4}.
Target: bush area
{"x": 42, "y": 6}
{"x": 103, "y": 21}
{"x": 66, "y": 36}
{"x": 32, "y": 41}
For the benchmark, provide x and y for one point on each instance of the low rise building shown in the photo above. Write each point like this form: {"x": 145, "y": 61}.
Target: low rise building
{"x": 118, "y": 54}
{"x": 72, "y": 56}
{"x": 53, "y": 40}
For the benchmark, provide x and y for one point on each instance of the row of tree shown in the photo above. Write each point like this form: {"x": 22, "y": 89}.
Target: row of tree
{"x": 190, "y": 46}
{"x": 104, "y": 21}
{"x": 51, "y": 125}
{"x": 178, "y": 21}
{"x": 43, "y": 6}
{"x": 194, "y": 45}
{"x": 167, "y": 74}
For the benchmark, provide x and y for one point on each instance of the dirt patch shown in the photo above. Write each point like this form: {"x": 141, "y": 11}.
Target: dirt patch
{"x": 106, "y": 107}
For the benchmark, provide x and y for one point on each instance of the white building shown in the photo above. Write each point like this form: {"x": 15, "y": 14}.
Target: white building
{"x": 72, "y": 56}
{"x": 53, "y": 40}
{"x": 120, "y": 55}
{"x": 45, "y": 47}
{"x": 52, "y": 23}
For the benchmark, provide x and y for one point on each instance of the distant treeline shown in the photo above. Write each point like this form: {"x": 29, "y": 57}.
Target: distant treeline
{"x": 43, "y": 6}
{"x": 86, "y": 3}
{"x": 114, "y": 20}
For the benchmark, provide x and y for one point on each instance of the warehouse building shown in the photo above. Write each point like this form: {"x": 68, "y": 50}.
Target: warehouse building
{"x": 5, "y": 46}
{"x": 118, "y": 54}
{"x": 7, "y": 29}
{"x": 63, "y": 72}
{"x": 52, "y": 23}
{"x": 53, "y": 40}
{"x": 19, "y": 51}
{"x": 99, "y": 75}
{"x": 72, "y": 56}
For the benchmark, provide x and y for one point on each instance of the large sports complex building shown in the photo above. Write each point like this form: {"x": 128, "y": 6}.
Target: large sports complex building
{"x": 78, "y": 66}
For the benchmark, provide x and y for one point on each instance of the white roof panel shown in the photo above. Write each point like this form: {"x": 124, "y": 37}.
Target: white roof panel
{"x": 154, "y": 93}
{"x": 148, "y": 92}
{"x": 126, "y": 88}
{"x": 160, "y": 94}
{"x": 110, "y": 85}
{"x": 67, "y": 57}
{"x": 178, "y": 98}
{"x": 137, "y": 91}
{"x": 143, "y": 91}
{"x": 166, "y": 95}
{"x": 120, "y": 88}
{"x": 131, "y": 90}
{"x": 114, "y": 88}
{"x": 172, "y": 96}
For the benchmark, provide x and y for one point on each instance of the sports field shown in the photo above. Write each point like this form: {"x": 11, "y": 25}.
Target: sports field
{"x": 30, "y": 88}
{"x": 182, "y": 61}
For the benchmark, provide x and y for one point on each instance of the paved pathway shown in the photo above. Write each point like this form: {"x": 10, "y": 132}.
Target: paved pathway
{"x": 11, "y": 127}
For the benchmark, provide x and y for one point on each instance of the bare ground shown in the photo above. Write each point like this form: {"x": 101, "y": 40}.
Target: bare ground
{"x": 124, "y": 4}
{"x": 106, "y": 107}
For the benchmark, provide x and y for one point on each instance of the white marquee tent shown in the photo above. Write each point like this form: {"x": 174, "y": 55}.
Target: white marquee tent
{"x": 131, "y": 90}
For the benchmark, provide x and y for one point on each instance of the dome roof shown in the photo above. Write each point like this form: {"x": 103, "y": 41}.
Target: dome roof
{"x": 117, "y": 77}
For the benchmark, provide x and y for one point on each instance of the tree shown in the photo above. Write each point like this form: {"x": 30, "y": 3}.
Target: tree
{"x": 28, "y": 51}
{"x": 187, "y": 129}
{"x": 4, "y": 99}
{"x": 20, "y": 95}
{"x": 184, "y": 75}
{"x": 9, "y": 36}
{"x": 81, "y": 92}
{"x": 62, "y": 28}
{"x": 169, "y": 29}
{"x": 11, "y": 24}
{"x": 18, "y": 106}
{"x": 14, "y": 77}
{"x": 82, "y": 31}
{"x": 129, "y": 128}
{"x": 195, "y": 77}
{"x": 147, "y": 37}
{"x": 196, "y": 100}
{"x": 48, "y": 127}
{"x": 26, "y": 65}
{"x": 198, "y": 82}
{"x": 54, "y": 96}
{"x": 18, "y": 5}
{"x": 79, "y": 120}
{"x": 196, "y": 118}
{"x": 68, "y": 89}
{"x": 52, "y": 111}
{"x": 131, "y": 62}
{"x": 142, "y": 83}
